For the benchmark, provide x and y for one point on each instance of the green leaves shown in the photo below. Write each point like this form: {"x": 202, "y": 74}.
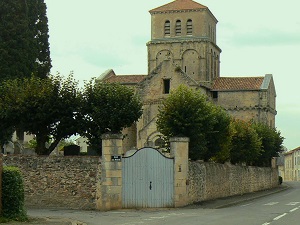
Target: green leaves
{"x": 271, "y": 143}
{"x": 214, "y": 135}
{"x": 246, "y": 143}
{"x": 24, "y": 46}
{"x": 44, "y": 107}
{"x": 109, "y": 108}
{"x": 186, "y": 112}
{"x": 13, "y": 194}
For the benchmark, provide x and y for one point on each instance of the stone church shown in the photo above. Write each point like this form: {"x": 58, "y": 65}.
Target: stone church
{"x": 183, "y": 50}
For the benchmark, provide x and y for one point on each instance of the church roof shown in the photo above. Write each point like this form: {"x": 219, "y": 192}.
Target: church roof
{"x": 125, "y": 79}
{"x": 237, "y": 83}
{"x": 179, "y": 5}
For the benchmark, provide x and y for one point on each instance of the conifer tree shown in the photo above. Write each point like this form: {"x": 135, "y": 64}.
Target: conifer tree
{"x": 24, "y": 46}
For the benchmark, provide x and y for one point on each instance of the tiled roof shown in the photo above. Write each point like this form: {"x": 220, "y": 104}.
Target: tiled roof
{"x": 237, "y": 83}
{"x": 125, "y": 79}
{"x": 179, "y": 5}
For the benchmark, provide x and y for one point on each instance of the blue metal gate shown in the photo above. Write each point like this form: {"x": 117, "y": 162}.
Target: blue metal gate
{"x": 148, "y": 180}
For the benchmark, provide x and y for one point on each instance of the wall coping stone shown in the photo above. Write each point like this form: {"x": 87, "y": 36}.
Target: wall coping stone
{"x": 111, "y": 136}
{"x": 179, "y": 139}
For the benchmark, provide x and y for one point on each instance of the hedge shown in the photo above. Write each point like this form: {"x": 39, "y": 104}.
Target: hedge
{"x": 13, "y": 194}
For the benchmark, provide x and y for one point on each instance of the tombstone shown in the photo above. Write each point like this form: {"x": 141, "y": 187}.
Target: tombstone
{"x": 18, "y": 147}
{"x": 92, "y": 151}
{"x": 9, "y": 148}
{"x": 71, "y": 150}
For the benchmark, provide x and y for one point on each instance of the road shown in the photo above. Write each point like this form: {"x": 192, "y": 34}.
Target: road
{"x": 282, "y": 208}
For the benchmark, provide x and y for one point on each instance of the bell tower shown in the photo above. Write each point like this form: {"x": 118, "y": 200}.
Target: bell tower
{"x": 184, "y": 32}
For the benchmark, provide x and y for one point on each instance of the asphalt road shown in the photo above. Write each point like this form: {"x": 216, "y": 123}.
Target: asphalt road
{"x": 280, "y": 208}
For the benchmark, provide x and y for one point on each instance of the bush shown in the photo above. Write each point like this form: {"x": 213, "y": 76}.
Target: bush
{"x": 13, "y": 194}
{"x": 280, "y": 180}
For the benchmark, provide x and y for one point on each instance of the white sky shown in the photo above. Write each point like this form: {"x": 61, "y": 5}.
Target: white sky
{"x": 256, "y": 37}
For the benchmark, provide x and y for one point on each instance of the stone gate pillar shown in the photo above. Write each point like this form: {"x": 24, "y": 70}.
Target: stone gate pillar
{"x": 179, "y": 150}
{"x": 110, "y": 196}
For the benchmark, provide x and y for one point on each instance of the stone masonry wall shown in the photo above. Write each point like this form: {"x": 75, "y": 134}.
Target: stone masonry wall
{"x": 211, "y": 180}
{"x": 73, "y": 182}
{"x": 58, "y": 182}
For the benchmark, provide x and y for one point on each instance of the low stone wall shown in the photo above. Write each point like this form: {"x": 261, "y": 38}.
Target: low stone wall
{"x": 58, "y": 182}
{"x": 75, "y": 182}
{"x": 211, "y": 180}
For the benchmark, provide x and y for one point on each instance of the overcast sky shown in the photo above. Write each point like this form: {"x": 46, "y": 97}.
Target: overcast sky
{"x": 256, "y": 37}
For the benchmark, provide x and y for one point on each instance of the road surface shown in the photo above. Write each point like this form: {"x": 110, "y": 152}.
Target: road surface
{"x": 282, "y": 208}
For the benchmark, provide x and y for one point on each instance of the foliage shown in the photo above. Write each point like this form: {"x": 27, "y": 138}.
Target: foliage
{"x": 108, "y": 108}
{"x": 24, "y": 46}
{"x": 186, "y": 112}
{"x": 245, "y": 143}
{"x": 45, "y": 107}
{"x": 32, "y": 143}
{"x": 219, "y": 140}
{"x": 13, "y": 194}
{"x": 271, "y": 143}
{"x": 215, "y": 135}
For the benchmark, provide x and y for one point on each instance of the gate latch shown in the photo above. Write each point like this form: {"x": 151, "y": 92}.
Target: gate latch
{"x": 150, "y": 185}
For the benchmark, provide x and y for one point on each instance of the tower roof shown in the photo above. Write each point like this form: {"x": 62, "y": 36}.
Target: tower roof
{"x": 179, "y": 5}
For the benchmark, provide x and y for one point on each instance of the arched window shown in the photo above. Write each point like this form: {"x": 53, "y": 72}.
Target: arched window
{"x": 189, "y": 27}
{"x": 167, "y": 28}
{"x": 178, "y": 28}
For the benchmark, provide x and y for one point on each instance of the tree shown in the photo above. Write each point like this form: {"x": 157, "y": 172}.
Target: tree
{"x": 108, "y": 108}
{"x": 219, "y": 140}
{"x": 186, "y": 112}
{"x": 271, "y": 143}
{"x": 245, "y": 143}
{"x": 24, "y": 46}
{"x": 47, "y": 108}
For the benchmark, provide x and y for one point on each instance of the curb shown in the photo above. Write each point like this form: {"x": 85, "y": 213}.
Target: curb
{"x": 219, "y": 203}
{"x": 78, "y": 223}
{"x": 259, "y": 195}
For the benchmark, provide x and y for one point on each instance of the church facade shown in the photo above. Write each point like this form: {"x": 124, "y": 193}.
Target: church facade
{"x": 183, "y": 50}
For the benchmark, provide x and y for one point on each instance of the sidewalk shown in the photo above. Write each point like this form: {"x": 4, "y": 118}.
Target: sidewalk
{"x": 237, "y": 199}
{"x": 213, "y": 204}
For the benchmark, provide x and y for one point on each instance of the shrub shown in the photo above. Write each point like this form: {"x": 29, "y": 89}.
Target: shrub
{"x": 13, "y": 194}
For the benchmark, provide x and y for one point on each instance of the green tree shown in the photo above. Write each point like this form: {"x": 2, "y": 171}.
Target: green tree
{"x": 271, "y": 143}
{"x": 47, "y": 108}
{"x": 219, "y": 140}
{"x": 108, "y": 108}
{"x": 38, "y": 26}
{"x": 24, "y": 46}
{"x": 186, "y": 112}
{"x": 245, "y": 143}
